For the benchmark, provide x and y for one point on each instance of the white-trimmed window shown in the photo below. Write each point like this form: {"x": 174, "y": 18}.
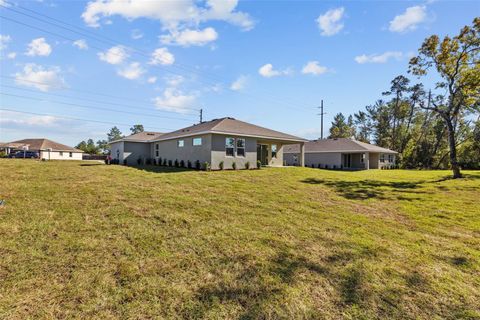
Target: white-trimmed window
{"x": 197, "y": 141}
{"x": 230, "y": 147}
{"x": 60, "y": 153}
{"x": 157, "y": 153}
{"x": 390, "y": 158}
{"x": 382, "y": 157}
{"x": 181, "y": 143}
{"x": 274, "y": 150}
{"x": 70, "y": 154}
{"x": 362, "y": 158}
{"x": 240, "y": 147}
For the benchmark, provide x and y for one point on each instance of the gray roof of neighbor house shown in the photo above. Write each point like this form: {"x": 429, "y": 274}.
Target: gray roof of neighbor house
{"x": 336, "y": 145}
{"x": 229, "y": 126}
{"x": 41, "y": 144}
{"x": 145, "y": 136}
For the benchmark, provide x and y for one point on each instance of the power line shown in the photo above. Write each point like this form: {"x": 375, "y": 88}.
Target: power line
{"x": 177, "y": 65}
{"x": 76, "y": 119}
{"x": 92, "y": 107}
{"x": 94, "y": 101}
{"x": 88, "y": 92}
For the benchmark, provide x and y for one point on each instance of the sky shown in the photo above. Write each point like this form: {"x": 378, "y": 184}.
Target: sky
{"x": 71, "y": 70}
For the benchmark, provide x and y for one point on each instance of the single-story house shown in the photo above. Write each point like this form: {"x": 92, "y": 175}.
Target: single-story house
{"x": 48, "y": 149}
{"x": 341, "y": 153}
{"x": 221, "y": 140}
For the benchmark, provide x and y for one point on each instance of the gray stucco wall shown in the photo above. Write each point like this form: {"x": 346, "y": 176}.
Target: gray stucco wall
{"x": 219, "y": 153}
{"x": 331, "y": 159}
{"x": 130, "y": 151}
{"x": 170, "y": 150}
{"x": 117, "y": 149}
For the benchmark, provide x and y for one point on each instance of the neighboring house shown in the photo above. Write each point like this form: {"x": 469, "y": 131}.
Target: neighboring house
{"x": 341, "y": 153}
{"x": 221, "y": 140}
{"x": 48, "y": 149}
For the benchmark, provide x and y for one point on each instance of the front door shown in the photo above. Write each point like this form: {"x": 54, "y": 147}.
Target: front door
{"x": 347, "y": 160}
{"x": 262, "y": 154}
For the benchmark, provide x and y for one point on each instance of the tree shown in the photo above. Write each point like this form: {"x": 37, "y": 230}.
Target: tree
{"x": 114, "y": 134}
{"x": 341, "y": 128}
{"x": 82, "y": 146}
{"x": 457, "y": 62}
{"x": 364, "y": 125}
{"x": 102, "y": 146}
{"x": 137, "y": 128}
{"x": 91, "y": 147}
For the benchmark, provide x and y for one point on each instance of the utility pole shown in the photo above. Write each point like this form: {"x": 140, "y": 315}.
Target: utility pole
{"x": 201, "y": 115}
{"x": 321, "y": 119}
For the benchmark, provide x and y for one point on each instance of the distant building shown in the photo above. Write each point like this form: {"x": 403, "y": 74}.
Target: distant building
{"x": 48, "y": 149}
{"x": 340, "y": 153}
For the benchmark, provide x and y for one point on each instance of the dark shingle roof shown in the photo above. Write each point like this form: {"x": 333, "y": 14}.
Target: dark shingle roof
{"x": 229, "y": 126}
{"x": 43, "y": 144}
{"x": 144, "y": 136}
{"x": 336, "y": 145}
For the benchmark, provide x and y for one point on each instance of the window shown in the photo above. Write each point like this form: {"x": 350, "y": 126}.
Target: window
{"x": 390, "y": 158}
{"x": 70, "y": 154}
{"x": 156, "y": 146}
{"x": 181, "y": 143}
{"x": 156, "y": 153}
{"x": 382, "y": 157}
{"x": 61, "y": 153}
{"x": 274, "y": 150}
{"x": 362, "y": 158}
{"x": 197, "y": 141}
{"x": 229, "y": 147}
{"x": 240, "y": 147}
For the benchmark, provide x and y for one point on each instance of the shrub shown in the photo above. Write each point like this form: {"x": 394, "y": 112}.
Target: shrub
{"x": 139, "y": 161}
{"x": 159, "y": 162}
{"x": 189, "y": 164}
{"x": 259, "y": 164}
{"x": 247, "y": 165}
{"x": 170, "y": 163}
{"x": 313, "y": 166}
{"x": 234, "y": 165}
{"x": 165, "y": 162}
{"x": 334, "y": 167}
{"x": 220, "y": 165}
{"x": 148, "y": 161}
{"x": 197, "y": 165}
{"x": 124, "y": 162}
{"x": 3, "y": 154}
{"x": 326, "y": 166}
{"x": 176, "y": 163}
{"x": 206, "y": 166}
{"x": 182, "y": 164}
{"x": 319, "y": 166}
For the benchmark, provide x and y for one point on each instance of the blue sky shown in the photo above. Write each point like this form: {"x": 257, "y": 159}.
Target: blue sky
{"x": 157, "y": 63}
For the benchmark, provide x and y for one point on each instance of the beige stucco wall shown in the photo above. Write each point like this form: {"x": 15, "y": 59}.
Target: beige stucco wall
{"x": 57, "y": 155}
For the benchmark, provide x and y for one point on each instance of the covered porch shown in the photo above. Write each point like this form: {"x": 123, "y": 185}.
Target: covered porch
{"x": 270, "y": 152}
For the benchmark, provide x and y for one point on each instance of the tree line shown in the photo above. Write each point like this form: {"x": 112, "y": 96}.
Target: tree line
{"x": 437, "y": 128}
{"x": 101, "y": 146}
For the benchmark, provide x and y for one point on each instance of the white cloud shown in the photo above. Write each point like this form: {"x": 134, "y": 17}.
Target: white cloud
{"x": 40, "y": 77}
{"x": 81, "y": 44}
{"x": 162, "y": 56}
{"x": 174, "y": 81}
{"x": 379, "y": 58}
{"x": 136, "y": 34}
{"x": 114, "y": 55}
{"x": 11, "y": 55}
{"x": 174, "y": 100}
{"x": 38, "y": 47}
{"x": 152, "y": 79}
{"x": 133, "y": 71}
{"x": 14, "y": 118}
{"x": 189, "y": 37}
{"x": 313, "y": 67}
{"x": 239, "y": 84}
{"x": 330, "y": 22}
{"x": 171, "y": 14}
{"x": 4, "y": 40}
{"x": 408, "y": 20}
{"x": 267, "y": 71}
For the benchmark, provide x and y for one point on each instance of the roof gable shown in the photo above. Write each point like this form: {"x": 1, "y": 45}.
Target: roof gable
{"x": 44, "y": 144}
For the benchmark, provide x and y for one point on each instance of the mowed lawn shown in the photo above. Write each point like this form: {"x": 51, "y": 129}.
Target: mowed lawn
{"x": 88, "y": 241}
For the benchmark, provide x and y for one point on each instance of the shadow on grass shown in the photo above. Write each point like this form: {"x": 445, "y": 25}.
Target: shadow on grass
{"x": 367, "y": 189}
{"x": 161, "y": 169}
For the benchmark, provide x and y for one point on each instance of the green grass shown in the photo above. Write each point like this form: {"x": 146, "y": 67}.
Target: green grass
{"x": 93, "y": 241}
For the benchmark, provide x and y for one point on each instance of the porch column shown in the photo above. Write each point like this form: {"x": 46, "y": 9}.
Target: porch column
{"x": 367, "y": 160}
{"x": 302, "y": 154}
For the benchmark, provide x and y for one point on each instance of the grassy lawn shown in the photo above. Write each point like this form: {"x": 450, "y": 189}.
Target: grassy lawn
{"x": 86, "y": 241}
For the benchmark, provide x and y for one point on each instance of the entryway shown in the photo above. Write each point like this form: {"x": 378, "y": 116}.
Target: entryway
{"x": 262, "y": 154}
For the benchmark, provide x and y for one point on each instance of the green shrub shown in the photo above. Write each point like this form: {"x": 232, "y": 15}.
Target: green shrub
{"x": 139, "y": 161}
{"x": 189, "y": 164}
{"x": 319, "y": 166}
{"x": 206, "y": 166}
{"x": 165, "y": 162}
{"x": 234, "y": 165}
{"x": 182, "y": 164}
{"x": 259, "y": 164}
{"x": 247, "y": 165}
{"x": 159, "y": 162}
{"x": 176, "y": 163}
{"x": 197, "y": 165}
{"x": 170, "y": 163}
{"x": 220, "y": 165}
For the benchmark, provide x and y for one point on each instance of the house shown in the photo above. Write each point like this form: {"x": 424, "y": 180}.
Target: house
{"x": 48, "y": 149}
{"x": 340, "y": 153}
{"x": 224, "y": 140}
